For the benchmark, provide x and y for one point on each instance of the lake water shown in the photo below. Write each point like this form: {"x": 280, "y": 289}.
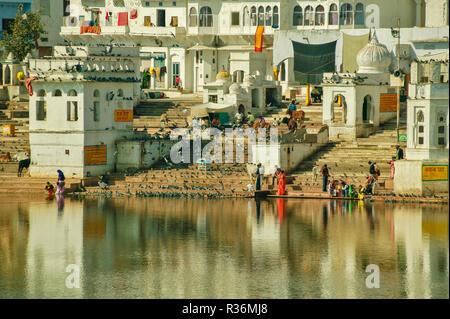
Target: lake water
{"x": 233, "y": 248}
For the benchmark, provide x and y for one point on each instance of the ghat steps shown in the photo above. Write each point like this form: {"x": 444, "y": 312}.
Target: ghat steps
{"x": 10, "y": 183}
{"x": 348, "y": 160}
{"x": 224, "y": 180}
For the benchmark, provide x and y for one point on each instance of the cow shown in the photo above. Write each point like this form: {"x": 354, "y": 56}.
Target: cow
{"x": 23, "y": 164}
{"x": 299, "y": 116}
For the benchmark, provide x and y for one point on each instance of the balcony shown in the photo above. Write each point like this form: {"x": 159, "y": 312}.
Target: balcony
{"x": 206, "y": 24}
{"x": 72, "y": 26}
{"x": 154, "y": 31}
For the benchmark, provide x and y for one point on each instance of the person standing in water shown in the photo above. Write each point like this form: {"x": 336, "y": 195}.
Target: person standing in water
{"x": 61, "y": 182}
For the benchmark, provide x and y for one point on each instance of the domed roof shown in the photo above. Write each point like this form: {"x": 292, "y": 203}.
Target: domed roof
{"x": 374, "y": 57}
{"x": 223, "y": 74}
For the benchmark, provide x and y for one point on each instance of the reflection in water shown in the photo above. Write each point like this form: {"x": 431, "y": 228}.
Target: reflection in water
{"x": 60, "y": 202}
{"x": 167, "y": 248}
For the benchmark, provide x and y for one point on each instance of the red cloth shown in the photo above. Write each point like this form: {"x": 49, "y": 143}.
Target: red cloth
{"x": 281, "y": 209}
{"x": 259, "y": 38}
{"x": 123, "y": 18}
{"x": 133, "y": 14}
{"x": 281, "y": 184}
{"x": 96, "y": 30}
{"x": 28, "y": 84}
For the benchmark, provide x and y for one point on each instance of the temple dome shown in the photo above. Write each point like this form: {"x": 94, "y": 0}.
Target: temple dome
{"x": 223, "y": 74}
{"x": 374, "y": 57}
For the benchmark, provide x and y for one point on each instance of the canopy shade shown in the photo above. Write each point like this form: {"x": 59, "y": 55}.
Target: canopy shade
{"x": 203, "y": 110}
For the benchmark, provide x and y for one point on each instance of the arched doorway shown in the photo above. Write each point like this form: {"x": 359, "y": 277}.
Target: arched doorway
{"x": 7, "y": 75}
{"x": 339, "y": 109}
{"x": 1, "y": 74}
{"x": 367, "y": 110}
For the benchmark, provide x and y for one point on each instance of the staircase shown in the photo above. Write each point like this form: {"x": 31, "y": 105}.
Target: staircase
{"x": 14, "y": 112}
{"x": 220, "y": 180}
{"x": 10, "y": 183}
{"x": 348, "y": 160}
{"x": 148, "y": 115}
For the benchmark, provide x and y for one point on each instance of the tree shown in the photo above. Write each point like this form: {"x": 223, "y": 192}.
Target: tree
{"x": 22, "y": 37}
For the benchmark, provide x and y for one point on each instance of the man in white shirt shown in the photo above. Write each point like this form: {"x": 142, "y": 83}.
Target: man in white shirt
{"x": 261, "y": 172}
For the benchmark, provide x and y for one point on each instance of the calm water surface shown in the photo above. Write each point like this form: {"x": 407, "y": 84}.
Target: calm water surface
{"x": 176, "y": 248}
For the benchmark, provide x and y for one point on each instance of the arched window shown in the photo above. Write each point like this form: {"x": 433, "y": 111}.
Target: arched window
{"x": 238, "y": 76}
{"x": 206, "y": 17}
{"x": 298, "y": 16}
{"x": 57, "y": 92}
{"x": 367, "y": 111}
{"x": 419, "y": 128}
{"x": 193, "y": 21}
{"x": 309, "y": 15}
{"x": 441, "y": 129}
{"x": 260, "y": 15}
{"x": 72, "y": 93}
{"x": 253, "y": 15}
{"x": 268, "y": 16}
{"x": 359, "y": 14}
{"x": 7, "y": 75}
{"x": 320, "y": 15}
{"x": 346, "y": 16}
{"x": 120, "y": 93}
{"x": 275, "y": 17}
{"x": 246, "y": 16}
{"x": 333, "y": 15}
{"x": 42, "y": 93}
{"x": 96, "y": 93}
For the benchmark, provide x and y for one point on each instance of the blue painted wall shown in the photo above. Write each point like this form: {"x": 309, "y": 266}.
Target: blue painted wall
{"x": 8, "y": 10}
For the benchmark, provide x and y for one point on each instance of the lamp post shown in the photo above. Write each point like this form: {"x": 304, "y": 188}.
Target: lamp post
{"x": 396, "y": 34}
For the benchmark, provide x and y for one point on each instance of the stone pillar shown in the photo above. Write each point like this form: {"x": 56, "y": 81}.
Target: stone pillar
{"x": 168, "y": 78}
{"x": 415, "y": 73}
{"x": 435, "y": 72}
{"x": 418, "y": 13}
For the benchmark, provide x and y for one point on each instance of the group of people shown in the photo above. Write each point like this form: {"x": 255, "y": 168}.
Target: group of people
{"x": 60, "y": 184}
{"x": 339, "y": 188}
{"x": 279, "y": 176}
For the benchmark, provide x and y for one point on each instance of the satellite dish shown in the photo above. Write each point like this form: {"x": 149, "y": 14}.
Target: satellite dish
{"x": 397, "y": 73}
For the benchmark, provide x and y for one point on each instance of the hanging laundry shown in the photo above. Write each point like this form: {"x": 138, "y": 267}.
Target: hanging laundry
{"x": 107, "y": 15}
{"x": 133, "y": 14}
{"x": 123, "y": 18}
{"x": 96, "y": 30}
{"x": 158, "y": 73}
{"x": 259, "y": 38}
{"x": 28, "y": 84}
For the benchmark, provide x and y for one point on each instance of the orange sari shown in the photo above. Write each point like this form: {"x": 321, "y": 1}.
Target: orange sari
{"x": 281, "y": 184}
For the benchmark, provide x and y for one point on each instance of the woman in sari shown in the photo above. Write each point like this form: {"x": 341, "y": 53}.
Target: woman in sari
{"x": 392, "y": 167}
{"x": 281, "y": 183}
{"x": 61, "y": 182}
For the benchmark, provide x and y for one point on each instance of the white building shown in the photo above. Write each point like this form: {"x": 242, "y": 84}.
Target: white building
{"x": 425, "y": 169}
{"x": 246, "y": 86}
{"x": 192, "y": 39}
{"x": 82, "y": 103}
{"x": 358, "y": 94}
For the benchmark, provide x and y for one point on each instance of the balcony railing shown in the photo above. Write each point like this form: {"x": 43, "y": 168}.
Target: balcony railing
{"x": 203, "y": 24}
